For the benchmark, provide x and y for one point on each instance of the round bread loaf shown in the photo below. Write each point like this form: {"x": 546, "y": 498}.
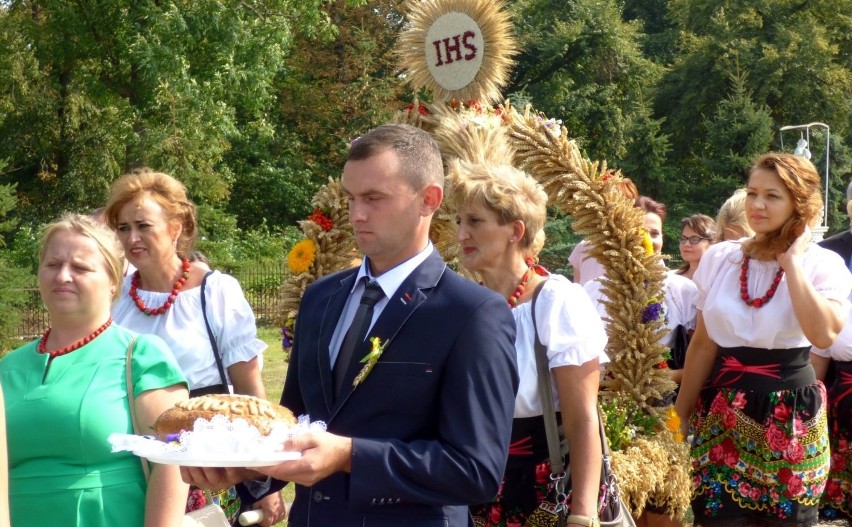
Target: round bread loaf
{"x": 259, "y": 413}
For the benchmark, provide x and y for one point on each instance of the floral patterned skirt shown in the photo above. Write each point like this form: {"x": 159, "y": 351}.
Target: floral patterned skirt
{"x": 526, "y": 481}
{"x": 837, "y": 499}
{"x": 760, "y": 440}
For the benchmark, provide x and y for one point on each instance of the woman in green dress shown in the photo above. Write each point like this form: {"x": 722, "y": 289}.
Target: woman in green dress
{"x": 66, "y": 392}
{"x": 4, "y": 469}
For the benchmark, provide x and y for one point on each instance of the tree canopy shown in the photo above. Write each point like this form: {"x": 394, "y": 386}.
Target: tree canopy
{"x": 252, "y": 102}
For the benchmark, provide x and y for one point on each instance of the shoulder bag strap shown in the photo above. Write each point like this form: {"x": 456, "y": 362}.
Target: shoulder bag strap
{"x": 545, "y": 392}
{"x": 210, "y": 331}
{"x": 608, "y": 477}
{"x": 132, "y": 401}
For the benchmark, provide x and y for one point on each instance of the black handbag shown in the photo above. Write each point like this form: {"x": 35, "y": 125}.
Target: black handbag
{"x": 679, "y": 347}
{"x": 553, "y": 511}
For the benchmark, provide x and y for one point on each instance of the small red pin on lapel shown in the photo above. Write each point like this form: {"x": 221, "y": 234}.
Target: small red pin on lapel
{"x": 406, "y": 299}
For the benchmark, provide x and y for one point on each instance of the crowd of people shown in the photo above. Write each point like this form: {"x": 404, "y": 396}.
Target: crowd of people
{"x": 448, "y": 426}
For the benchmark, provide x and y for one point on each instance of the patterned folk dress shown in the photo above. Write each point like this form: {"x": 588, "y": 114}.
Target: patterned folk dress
{"x": 837, "y": 498}
{"x": 760, "y": 436}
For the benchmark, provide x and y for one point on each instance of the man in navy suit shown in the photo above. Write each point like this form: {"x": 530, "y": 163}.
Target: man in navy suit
{"x": 426, "y": 433}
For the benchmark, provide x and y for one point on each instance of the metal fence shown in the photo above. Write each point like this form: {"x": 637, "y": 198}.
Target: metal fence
{"x": 260, "y": 285}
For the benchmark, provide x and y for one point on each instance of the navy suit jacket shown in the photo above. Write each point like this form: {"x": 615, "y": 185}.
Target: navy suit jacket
{"x": 841, "y": 244}
{"x": 431, "y": 423}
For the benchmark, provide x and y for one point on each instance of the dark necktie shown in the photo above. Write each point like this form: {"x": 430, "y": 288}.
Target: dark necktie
{"x": 357, "y": 331}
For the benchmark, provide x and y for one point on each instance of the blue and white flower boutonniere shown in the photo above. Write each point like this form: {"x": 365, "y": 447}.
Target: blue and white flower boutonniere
{"x": 370, "y": 359}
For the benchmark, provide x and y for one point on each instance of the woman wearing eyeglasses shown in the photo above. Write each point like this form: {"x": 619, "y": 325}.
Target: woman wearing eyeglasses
{"x": 698, "y": 232}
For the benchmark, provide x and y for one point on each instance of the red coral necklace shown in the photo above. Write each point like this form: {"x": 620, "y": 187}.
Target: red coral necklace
{"x": 762, "y": 301}
{"x": 521, "y": 287}
{"x": 134, "y": 286}
{"x": 42, "y": 343}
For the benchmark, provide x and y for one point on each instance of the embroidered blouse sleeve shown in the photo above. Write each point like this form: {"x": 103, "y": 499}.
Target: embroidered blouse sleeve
{"x": 232, "y": 320}
{"x": 569, "y": 324}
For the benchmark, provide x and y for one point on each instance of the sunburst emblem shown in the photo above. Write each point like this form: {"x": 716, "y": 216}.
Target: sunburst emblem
{"x": 458, "y": 49}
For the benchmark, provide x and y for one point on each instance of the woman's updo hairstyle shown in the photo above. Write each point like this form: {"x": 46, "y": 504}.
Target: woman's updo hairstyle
{"x": 165, "y": 190}
{"x": 802, "y": 181}
{"x": 508, "y": 192}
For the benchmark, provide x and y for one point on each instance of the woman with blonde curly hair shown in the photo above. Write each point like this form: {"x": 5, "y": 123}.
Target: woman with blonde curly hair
{"x": 500, "y": 212}
{"x": 760, "y": 441}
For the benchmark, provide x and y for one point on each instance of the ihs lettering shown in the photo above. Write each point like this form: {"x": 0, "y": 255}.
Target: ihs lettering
{"x": 448, "y": 47}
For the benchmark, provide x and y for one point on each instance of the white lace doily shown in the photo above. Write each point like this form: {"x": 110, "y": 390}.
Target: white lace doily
{"x": 219, "y": 439}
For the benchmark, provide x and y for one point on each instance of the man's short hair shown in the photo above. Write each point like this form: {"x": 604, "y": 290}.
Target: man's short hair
{"x": 418, "y": 153}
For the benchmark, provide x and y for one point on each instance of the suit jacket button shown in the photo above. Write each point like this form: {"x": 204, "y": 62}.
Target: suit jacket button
{"x": 318, "y": 497}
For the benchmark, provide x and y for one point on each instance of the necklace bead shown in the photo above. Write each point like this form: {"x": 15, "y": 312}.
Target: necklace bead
{"x": 42, "y": 343}
{"x": 521, "y": 287}
{"x": 770, "y": 293}
{"x": 140, "y": 304}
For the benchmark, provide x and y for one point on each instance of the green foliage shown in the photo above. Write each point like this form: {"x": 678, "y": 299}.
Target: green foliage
{"x": 645, "y": 158}
{"x": 252, "y": 104}
{"x": 559, "y": 242}
{"x": 274, "y": 191}
{"x": 13, "y": 300}
{"x": 14, "y": 278}
{"x": 227, "y": 246}
{"x": 793, "y": 52}
{"x": 739, "y": 130}
{"x": 582, "y": 63}
{"x": 23, "y": 252}
{"x": 8, "y": 201}
{"x": 92, "y": 90}
{"x": 625, "y": 421}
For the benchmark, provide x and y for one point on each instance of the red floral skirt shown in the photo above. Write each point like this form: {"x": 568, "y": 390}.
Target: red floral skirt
{"x": 838, "y": 490}
{"x": 760, "y": 439}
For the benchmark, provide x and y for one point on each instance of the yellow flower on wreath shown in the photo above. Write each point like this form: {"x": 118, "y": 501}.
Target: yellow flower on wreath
{"x": 673, "y": 424}
{"x": 302, "y": 256}
{"x": 647, "y": 242}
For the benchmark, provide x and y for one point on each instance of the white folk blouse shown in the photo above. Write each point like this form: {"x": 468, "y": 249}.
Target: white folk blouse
{"x": 570, "y": 329}
{"x": 731, "y": 323}
{"x": 182, "y": 326}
